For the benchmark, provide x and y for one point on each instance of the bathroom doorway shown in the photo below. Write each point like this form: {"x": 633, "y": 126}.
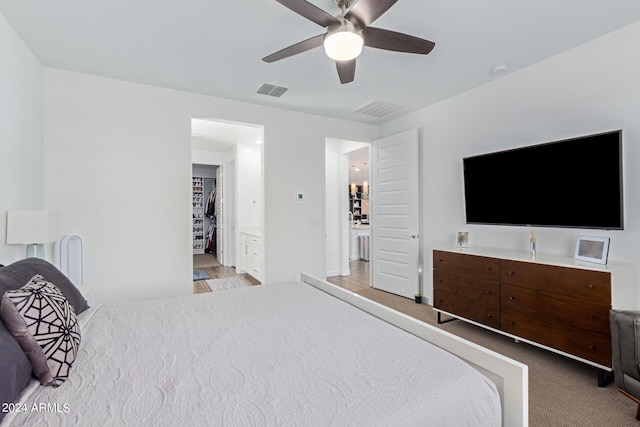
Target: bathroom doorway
{"x": 347, "y": 218}
{"x": 227, "y": 161}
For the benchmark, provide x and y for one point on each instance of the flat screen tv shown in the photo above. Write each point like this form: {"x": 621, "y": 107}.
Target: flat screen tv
{"x": 574, "y": 183}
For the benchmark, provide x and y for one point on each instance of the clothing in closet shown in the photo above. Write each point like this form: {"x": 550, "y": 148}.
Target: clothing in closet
{"x": 210, "y": 211}
{"x": 210, "y": 239}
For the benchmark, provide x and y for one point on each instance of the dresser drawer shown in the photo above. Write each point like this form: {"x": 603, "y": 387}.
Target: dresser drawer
{"x": 581, "y": 313}
{"x": 470, "y": 308}
{"x": 570, "y": 339}
{"x": 470, "y": 265}
{"x": 587, "y": 284}
{"x": 480, "y": 290}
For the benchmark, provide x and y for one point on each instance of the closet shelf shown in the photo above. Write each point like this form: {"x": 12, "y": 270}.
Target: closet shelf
{"x": 197, "y": 194}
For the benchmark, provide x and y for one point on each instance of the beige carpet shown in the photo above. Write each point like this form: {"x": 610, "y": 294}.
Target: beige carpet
{"x": 562, "y": 392}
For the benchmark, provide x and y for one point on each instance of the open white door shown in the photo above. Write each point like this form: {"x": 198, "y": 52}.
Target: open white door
{"x": 230, "y": 214}
{"x": 395, "y": 209}
{"x": 220, "y": 219}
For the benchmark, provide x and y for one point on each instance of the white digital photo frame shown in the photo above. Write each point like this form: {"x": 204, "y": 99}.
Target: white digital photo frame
{"x": 592, "y": 249}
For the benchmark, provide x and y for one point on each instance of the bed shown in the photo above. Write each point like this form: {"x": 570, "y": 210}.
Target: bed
{"x": 291, "y": 353}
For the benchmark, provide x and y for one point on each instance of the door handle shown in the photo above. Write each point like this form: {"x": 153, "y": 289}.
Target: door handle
{"x": 412, "y": 236}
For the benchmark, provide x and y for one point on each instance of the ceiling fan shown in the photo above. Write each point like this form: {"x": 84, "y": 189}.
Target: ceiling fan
{"x": 348, "y": 32}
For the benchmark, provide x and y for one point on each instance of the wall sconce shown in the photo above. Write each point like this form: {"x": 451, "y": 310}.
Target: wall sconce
{"x": 353, "y": 188}
{"x": 31, "y": 228}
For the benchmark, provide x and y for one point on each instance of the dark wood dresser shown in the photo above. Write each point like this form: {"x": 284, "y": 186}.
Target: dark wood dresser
{"x": 553, "y": 302}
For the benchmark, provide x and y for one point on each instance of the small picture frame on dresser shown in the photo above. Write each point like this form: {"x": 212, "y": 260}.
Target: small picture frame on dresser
{"x": 462, "y": 239}
{"x": 592, "y": 249}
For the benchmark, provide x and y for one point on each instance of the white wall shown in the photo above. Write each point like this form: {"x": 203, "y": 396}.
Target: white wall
{"x": 117, "y": 151}
{"x": 21, "y": 133}
{"x": 588, "y": 89}
{"x": 249, "y": 185}
{"x": 206, "y": 157}
{"x": 335, "y": 211}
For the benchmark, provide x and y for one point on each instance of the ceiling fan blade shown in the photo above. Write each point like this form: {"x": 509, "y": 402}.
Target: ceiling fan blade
{"x": 309, "y": 11}
{"x": 346, "y": 70}
{"x": 398, "y": 42}
{"x": 295, "y": 49}
{"x": 367, "y": 11}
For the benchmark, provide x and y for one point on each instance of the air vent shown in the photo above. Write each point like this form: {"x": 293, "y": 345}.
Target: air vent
{"x": 272, "y": 90}
{"x": 266, "y": 89}
{"x": 378, "y": 108}
{"x": 278, "y": 91}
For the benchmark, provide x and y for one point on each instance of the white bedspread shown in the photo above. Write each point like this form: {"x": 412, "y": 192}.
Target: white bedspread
{"x": 273, "y": 355}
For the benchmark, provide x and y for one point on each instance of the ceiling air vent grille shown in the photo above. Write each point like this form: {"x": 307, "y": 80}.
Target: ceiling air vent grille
{"x": 378, "y": 108}
{"x": 272, "y": 90}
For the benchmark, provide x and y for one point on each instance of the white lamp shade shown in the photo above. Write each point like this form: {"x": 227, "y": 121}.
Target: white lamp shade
{"x": 343, "y": 45}
{"x": 29, "y": 227}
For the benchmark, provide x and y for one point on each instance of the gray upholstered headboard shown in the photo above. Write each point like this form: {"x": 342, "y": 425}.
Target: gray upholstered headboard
{"x": 15, "y": 368}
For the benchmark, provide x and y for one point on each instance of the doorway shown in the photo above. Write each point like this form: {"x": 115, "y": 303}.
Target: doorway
{"x": 208, "y": 248}
{"x": 227, "y": 164}
{"x": 347, "y": 213}
{"x": 393, "y": 218}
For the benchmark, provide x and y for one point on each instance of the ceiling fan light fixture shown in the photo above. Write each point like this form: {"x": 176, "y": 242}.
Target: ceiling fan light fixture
{"x": 347, "y": 33}
{"x": 343, "y": 42}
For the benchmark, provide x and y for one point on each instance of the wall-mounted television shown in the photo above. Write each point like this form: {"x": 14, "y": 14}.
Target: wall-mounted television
{"x": 573, "y": 183}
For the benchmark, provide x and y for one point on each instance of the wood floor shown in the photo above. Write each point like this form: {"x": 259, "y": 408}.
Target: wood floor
{"x": 204, "y": 261}
{"x": 358, "y": 280}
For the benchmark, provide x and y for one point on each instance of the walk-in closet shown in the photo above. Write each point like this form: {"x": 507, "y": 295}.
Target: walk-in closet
{"x": 207, "y": 212}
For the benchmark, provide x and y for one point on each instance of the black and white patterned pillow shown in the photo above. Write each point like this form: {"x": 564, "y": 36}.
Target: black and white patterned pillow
{"x": 43, "y": 321}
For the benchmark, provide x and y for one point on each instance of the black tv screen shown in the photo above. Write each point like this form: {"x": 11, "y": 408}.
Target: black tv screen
{"x": 574, "y": 183}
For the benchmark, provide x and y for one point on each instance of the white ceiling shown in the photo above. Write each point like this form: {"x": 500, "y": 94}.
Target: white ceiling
{"x": 215, "y": 47}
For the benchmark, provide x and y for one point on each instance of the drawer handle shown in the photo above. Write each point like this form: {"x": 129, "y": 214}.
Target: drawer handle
{"x": 489, "y": 315}
{"x": 440, "y": 260}
{"x": 592, "y": 347}
{"x": 591, "y": 286}
{"x": 511, "y": 273}
{"x": 489, "y": 268}
{"x": 512, "y": 298}
{"x": 439, "y": 280}
{"x": 488, "y": 292}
